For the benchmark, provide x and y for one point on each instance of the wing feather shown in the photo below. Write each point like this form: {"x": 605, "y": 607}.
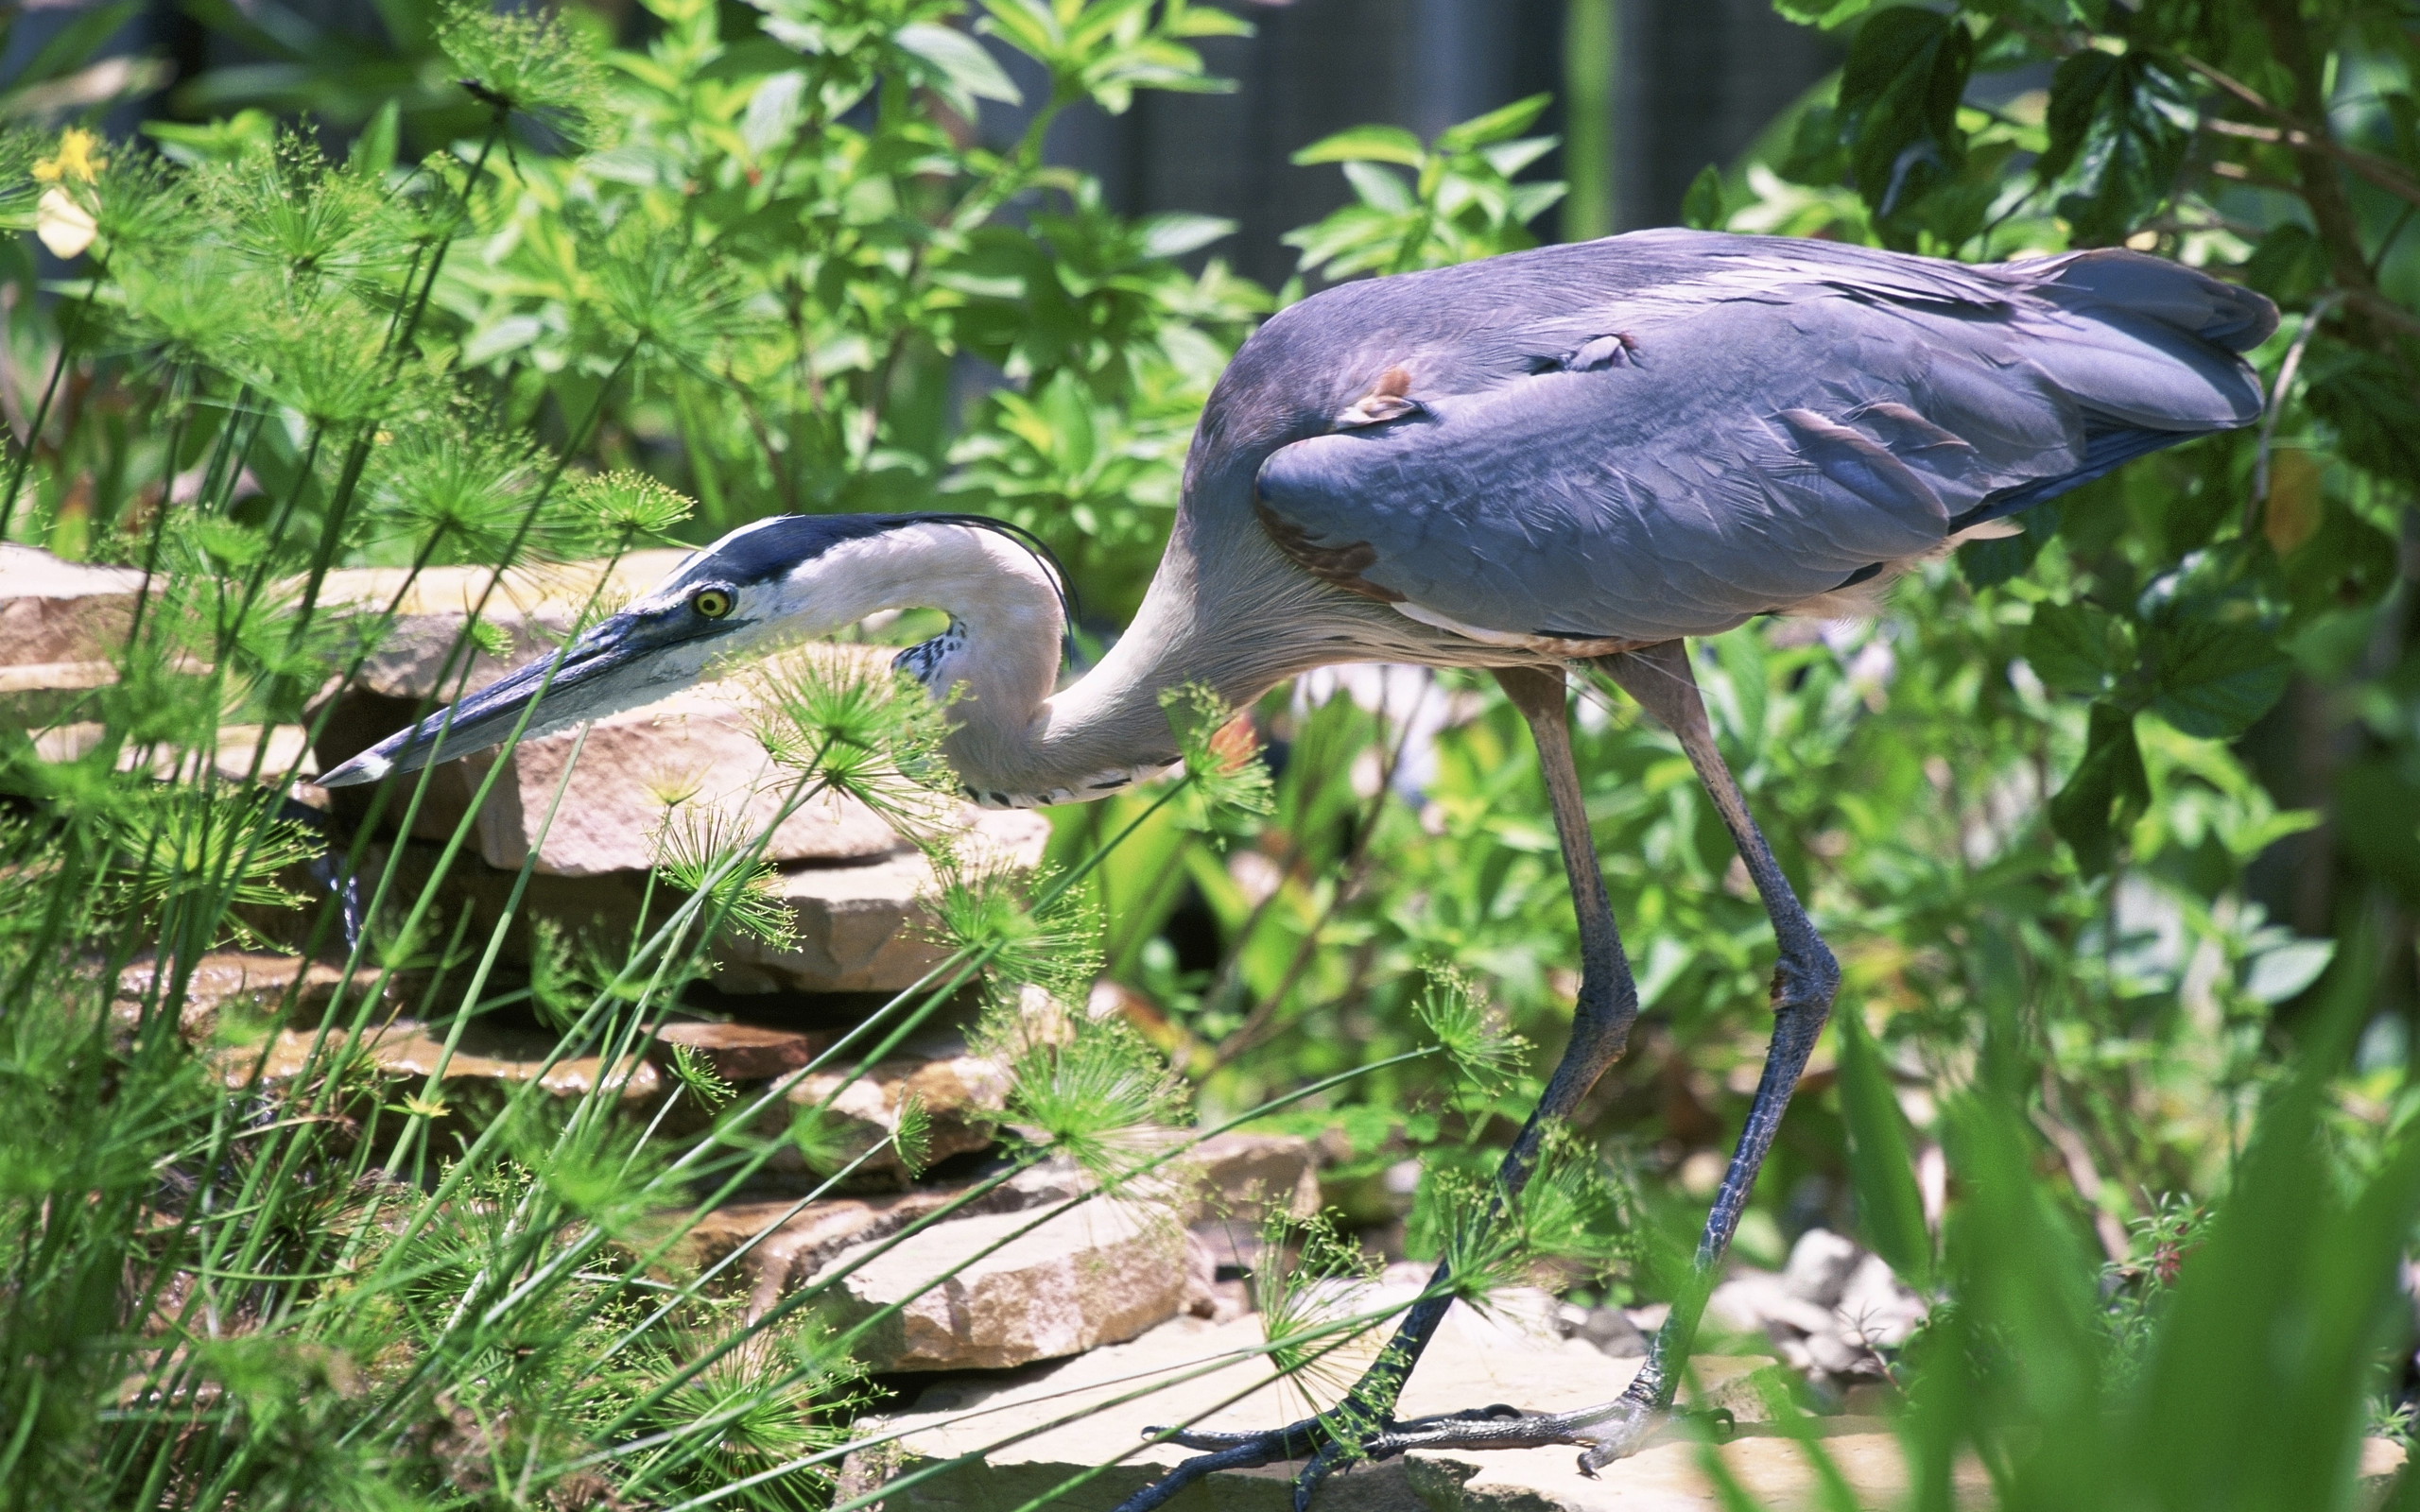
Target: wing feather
{"x": 1773, "y": 418}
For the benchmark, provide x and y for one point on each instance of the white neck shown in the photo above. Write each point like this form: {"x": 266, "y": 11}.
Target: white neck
{"x": 1001, "y": 653}
{"x": 1256, "y": 622}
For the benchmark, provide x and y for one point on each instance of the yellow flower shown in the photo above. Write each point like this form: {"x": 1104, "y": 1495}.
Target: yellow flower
{"x": 75, "y": 158}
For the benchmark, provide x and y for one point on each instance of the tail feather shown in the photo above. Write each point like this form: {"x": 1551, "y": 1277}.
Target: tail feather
{"x": 2139, "y": 344}
{"x": 2182, "y": 298}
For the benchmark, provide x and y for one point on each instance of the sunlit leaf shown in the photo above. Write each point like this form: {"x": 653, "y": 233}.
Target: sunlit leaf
{"x": 961, "y": 67}
{"x": 2119, "y": 127}
{"x": 2078, "y": 647}
{"x": 2105, "y": 792}
{"x": 1898, "y": 105}
{"x": 1364, "y": 143}
{"x": 1889, "y": 1212}
{"x": 1702, "y": 206}
{"x": 2212, "y": 678}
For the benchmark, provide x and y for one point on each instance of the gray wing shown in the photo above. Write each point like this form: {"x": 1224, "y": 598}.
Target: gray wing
{"x": 1665, "y": 433}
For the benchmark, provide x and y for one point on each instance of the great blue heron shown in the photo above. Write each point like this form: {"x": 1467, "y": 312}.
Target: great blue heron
{"x": 1581, "y": 454}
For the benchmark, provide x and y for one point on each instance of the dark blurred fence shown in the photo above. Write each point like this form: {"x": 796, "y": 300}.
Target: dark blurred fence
{"x": 1647, "y": 93}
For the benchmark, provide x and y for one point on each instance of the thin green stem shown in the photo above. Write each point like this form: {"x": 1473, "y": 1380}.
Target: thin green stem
{"x": 50, "y": 390}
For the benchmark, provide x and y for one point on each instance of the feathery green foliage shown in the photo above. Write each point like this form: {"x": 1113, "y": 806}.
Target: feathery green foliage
{"x": 2041, "y": 805}
{"x": 249, "y": 1262}
{"x": 705, "y": 853}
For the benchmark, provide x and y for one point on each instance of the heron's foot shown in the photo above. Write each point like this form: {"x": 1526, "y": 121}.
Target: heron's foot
{"x": 1323, "y": 1443}
{"x": 1613, "y": 1431}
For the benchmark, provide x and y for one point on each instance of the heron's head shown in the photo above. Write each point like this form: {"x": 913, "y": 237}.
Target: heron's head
{"x": 772, "y": 581}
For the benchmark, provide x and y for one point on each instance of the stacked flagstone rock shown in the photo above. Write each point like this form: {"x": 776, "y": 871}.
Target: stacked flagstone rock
{"x": 856, "y": 894}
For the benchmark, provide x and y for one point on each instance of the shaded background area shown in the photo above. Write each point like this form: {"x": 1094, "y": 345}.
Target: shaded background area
{"x": 1646, "y": 92}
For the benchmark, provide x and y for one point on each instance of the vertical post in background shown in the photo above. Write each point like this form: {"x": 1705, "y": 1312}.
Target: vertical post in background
{"x": 1591, "y": 42}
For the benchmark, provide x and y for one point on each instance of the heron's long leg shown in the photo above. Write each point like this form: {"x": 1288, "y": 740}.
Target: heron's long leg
{"x": 1805, "y": 980}
{"x": 1601, "y": 1024}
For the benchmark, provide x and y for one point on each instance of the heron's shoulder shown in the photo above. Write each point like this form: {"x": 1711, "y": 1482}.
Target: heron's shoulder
{"x": 1462, "y": 323}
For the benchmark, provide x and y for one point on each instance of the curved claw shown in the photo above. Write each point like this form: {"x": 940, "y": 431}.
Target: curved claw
{"x": 1289, "y": 1442}
{"x": 1322, "y": 1465}
{"x": 1618, "y": 1434}
{"x": 1194, "y": 1438}
{"x": 1493, "y": 1412}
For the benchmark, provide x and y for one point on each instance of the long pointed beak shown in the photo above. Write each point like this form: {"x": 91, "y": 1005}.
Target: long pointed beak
{"x": 604, "y": 672}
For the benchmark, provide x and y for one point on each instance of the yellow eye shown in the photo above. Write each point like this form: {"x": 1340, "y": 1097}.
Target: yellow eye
{"x": 711, "y": 603}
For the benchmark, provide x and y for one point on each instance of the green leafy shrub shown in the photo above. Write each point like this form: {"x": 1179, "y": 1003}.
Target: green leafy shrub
{"x": 749, "y": 262}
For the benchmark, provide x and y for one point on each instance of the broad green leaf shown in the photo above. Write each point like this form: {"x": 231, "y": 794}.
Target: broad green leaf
{"x": 2367, "y": 398}
{"x": 1898, "y": 105}
{"x": 2121, "y": 127}
{"x": 1701, "y": 207}
{"x": 1531, "y": 200}
{"x": 1174, "y": 235}
{"x": 1509, "y": 157}
{"x": 1495, "y": 126}
{"x": 509, "y": 334}
{"x": 1026, "y": 25}
{"x": 1817, "y": 155}
{"x": 774, "y": 113}
{"x": 2289, "y": 264}
{"x": 1376, "y": 186}
{"x": 2275, "y": 975}
{"x": 2343, "y": 562}
{"x": 1890, "y": 1212}
{"x": 1204, "y": 21}
{"x": 2078, "y": 648}
{"x": 964, "y": 69}
{"x": 2108, "y": 791}
{"x": 1364, "y": 143}
{"x": 2214, "y": 678}
{"x": 1823, "y": 13}
{"x": 373, "y": 151}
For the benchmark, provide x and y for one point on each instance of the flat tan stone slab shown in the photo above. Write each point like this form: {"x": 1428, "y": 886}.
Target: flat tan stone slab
{"x": 862, "y": 927}
{"x": 1241, "y": 1177}
{"x": 62, "y": 623}
{"x": 788, "y": 1249}
{"x": 962, "y": 1095}
{"x": 746, "y": 1051}
{"x": 646, "y": 768}
{"x": 866, "y": 927}
{"x": 1099, "y": 1273}
{"x": 230, "y": 758}
{"x": 255, "y": 981}
{"x": 534, "y": 606}
{"x": 1512, "y": 1355}
{"x": 533, "y": 609}
{"x": 407, "y": 1051}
